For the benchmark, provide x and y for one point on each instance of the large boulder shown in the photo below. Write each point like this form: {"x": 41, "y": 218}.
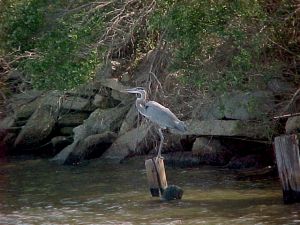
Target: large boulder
{"x": 182, "y": 159}
{"x": 238, "y": 106}
{"x": 100, "y": 121}
{"x": 174, "y": 142}
{"x": 5, "y": 127}
{"x": 113, "y": 84}
{"x": 60, "y": 101}
{"x": 91, "y": 147}
{"x": 72, "y": 119}
{"x": 279, "y": 86}
{"x": 292, "y": 125}
{"x": 23, "y": 112}
{"x": 6, "y": 123}
{"x": 23, "y": 105}
{"x": 203, "y": 145}
{"x": 66, "y": 131}
{"x": 102, "y": 101}
{"x": 130, "y": 120}
{"x": 225, "y": 128}
{"x": 87, "y": 90}
{"x": 37, "y": 129}
{"x": 130, "y": 143}
{"x": 116, "y": 89}
{"x": 21, "y": 99}
{"x": 210, "y": 151}
{"x": 60, "y": 142}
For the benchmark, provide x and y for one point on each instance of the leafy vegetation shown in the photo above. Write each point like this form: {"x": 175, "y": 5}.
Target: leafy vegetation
{"x": 219, "y": 44}
{"x": 215, "y": 45}
{"x": 66, "y": 55}
{"x": 20, "y": 21}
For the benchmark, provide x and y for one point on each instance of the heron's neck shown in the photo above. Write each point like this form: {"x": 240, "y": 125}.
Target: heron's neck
{"x": 140, "y": 105}
{"x": 143, "y": 95}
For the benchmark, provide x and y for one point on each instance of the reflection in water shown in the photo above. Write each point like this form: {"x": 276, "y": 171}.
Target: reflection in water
{"x": 38, "y": 192}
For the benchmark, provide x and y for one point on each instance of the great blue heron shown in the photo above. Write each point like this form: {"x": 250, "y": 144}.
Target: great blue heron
{"x": 156, "y": 113}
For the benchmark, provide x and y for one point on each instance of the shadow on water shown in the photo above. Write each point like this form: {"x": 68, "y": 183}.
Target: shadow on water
{"x": 39, "y": 192}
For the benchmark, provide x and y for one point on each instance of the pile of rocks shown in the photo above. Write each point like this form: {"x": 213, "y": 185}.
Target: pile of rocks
{"x": 98, "y": 120}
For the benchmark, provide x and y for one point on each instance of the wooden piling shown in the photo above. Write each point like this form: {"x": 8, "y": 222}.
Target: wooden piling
{"x": 156, "y": 176}
{"x": 288, "y": 164}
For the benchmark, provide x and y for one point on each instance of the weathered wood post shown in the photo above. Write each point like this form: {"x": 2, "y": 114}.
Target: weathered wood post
{"x": 156, "y": 176}
{"x": 288, "y": 164}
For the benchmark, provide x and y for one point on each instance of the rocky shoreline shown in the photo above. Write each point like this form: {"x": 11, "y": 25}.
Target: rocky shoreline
{"x": 97, "y": 120}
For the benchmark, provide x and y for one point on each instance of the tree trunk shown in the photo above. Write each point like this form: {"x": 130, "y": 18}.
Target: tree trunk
{"x": 288, "y": 164}
{"x": 156, "y": 176}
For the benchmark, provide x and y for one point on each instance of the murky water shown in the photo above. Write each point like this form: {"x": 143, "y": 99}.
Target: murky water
{"x": 38, "y": 192}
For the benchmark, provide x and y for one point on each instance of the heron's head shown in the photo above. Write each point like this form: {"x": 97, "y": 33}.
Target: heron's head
{"x": 137, "y": 90}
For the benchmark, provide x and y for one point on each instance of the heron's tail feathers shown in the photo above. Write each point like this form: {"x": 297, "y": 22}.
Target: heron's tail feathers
{"x": 180, "y": 126}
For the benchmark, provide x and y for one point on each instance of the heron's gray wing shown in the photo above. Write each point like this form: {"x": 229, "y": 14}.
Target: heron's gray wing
{"x": 160, "y": 115}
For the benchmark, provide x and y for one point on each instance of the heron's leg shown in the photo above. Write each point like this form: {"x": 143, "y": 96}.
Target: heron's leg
{"x": 161, "y": 142}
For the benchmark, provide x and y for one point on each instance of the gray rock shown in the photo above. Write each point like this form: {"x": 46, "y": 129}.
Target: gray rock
{"x": 61, "y": 157}
{"x": 72, "y": 119}
{"x": 100, "y": 101}
{"x": 59, "y": 142}
{"x": 114, "y": 84}
{"x": 292, "y": 125}
{"x": 14, "y": 75}
{"x": 119, "y": 96}
{"x": 87, "y": 90}
{"x": 7, "y": 123}
{"x": 57, "y": 100}
{"x": 104, "y": 102}
{"x": 132, "y": 142}
{"x": 204, "y": 145}
{"x": 100, "y": 121}
{"x": 210, "y": 151}
{"x": 9, "y": 139}
{"x": 19, "y": 100}
{"x": 91, "y": 147}
{"x": 116, "y": 89}
{"x": 172, "y": 142}
{"x": 278, "y": 86}
{"x": 130, "y": 120}
{"x": 66, "y": 131}
{"x": 104, "y": 72}
{"x": 23, "y": 112}
{"x": 238, "y": 106}
{"x": 172, "y": 192}
{"x": 37, "y": 129}
{"x": 182, "y": 159}
{"x": 225, "y": 128}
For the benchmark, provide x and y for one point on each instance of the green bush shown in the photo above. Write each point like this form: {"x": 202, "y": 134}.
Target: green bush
{"x": 67, "y": 58}
{"x": 64, "y": 42}
{"x": 19, "y": 23}
{"x": 217, "y": 44}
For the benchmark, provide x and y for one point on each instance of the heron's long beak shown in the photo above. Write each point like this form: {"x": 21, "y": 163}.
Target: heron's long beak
{"x": 131, "y": 90}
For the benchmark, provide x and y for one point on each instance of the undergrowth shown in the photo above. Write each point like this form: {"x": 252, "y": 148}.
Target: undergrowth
{"x": 215, "y": 46}
{"x": 62, "y": 40}
{"x": 219, "y": 45}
